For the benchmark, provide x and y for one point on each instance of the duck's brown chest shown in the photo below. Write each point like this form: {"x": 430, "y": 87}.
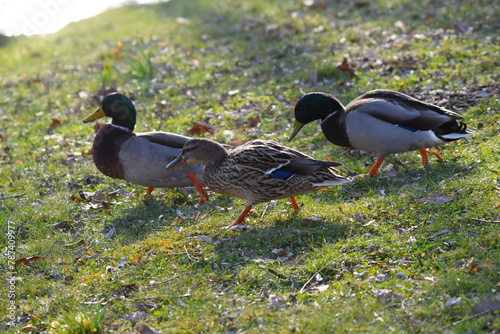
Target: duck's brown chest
{"x": 106, "y": 149}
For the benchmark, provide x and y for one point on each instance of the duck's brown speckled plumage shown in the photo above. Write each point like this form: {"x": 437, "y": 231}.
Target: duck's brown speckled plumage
{"x": 259, "y": 171}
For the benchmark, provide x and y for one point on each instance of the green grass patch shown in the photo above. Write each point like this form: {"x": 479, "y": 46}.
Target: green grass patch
{"x": 415, "y": 250}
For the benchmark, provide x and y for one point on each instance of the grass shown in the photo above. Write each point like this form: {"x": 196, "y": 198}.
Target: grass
{"x": 380, "y": 254}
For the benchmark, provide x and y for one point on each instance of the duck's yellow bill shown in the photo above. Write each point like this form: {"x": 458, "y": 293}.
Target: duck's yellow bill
{"x": 98, "y": 113}
{"x": 295, "y": 130}
{"x": 177, "y": 162}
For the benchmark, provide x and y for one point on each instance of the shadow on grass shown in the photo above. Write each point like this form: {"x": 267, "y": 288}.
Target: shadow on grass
{"x": 4, "y": 40}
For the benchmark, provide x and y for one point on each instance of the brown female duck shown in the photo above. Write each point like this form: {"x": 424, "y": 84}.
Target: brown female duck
{"x": 258, "y": 171}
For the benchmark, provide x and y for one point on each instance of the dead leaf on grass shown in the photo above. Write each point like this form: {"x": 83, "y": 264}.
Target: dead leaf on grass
{"x": 344, "y": 66}
{"x": 199, "y": 128}
{"x": 437, "y": 234}
{"x": 435, "y": 199}
{"x": 68, "y": 224}
{"x": 87, "y": 152}
{"x": 54, "y": 124}
{"x": 81, "y": 242}
{"x": 283, "y": 255}
{"x": 26, "y": 260}
{"x": 281, "y": 276}
{"x": 97, "y": 126}
{"x": 134, "y": 316}
{"x": 478, "y": 266}
{"x": 386, "y": 295}
{"x": 3, "y": 136}
{"x": 29, "y": 328}
{"x": 254, "y": 121}
{"x": 145, "y": 329}
{"x": 321, "y": 288}
{"x": 487, "y": 304}
{"x": 378, "y": 278}
{"x": 453, "y": 301}
{"x": 118, "y": 50}
{"x": 137, "y": 258}
{"x": 275, "y": 301}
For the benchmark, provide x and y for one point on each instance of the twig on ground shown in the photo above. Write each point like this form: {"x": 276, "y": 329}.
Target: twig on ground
{"x": 12, "y": 196}
{"x": 317, "y": 272}
{"x": 164, "y": 296}
{"x": 486, "y": 221}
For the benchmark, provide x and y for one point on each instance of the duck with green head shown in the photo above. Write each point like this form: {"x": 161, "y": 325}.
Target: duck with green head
{"x": 381, "y": 121}
{"x": 139, "y": 158}
{"x": 258, "y": 171}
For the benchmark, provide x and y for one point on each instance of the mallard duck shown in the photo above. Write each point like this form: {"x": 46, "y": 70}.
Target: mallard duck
{"x": 381, "y": 121}
{"x": 258, "y": 171}
{"x": 139, "y": 158}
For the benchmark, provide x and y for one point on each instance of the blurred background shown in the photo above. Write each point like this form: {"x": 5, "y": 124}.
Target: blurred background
{"x": 34, "y": 17}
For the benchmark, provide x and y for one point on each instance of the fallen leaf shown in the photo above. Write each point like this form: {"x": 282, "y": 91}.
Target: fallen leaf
{"x": 386, "y": 295}
{"x": 435, "y": 199}
{"x": 132, "y": 286}
{"x": 118, "y": 50}
{"x": 55, "y": 123}
{"x": 78, "y": 243}
{"x": 283, "y": 255}
{"x": 144, "y": 329}
{"x": 88, "y": 152}
{"x": 277, "y": 274}
{"x": 321, "y": 288}
{"x": 254, "y": 121}
{"x": 276, "y": 302}
{"x": 25, "y": 260}
{"x": 3, "y": 136}
{"x": 453, "y": 301}
{"x": 487, "y": 304}
{"x": 68, "y": 278}
{"x": 134, "y": 316}
{"x": 199, "y": 128}
{"x": 437, "y": 234}
{"x": 96, "y": 126}
{"x": 344, "y": 66}
{"x": 68, "y": 224}
{"x": 210, "y": 240}
{"x": 475, "y": 267}
{"x": 29, "y": 328}
{"x": 378, "y": 278}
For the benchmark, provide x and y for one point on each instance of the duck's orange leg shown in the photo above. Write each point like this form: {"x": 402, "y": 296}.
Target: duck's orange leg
{"x": 150, "y": 190}
{"x": 423, "y": 153}
{"x": 295, "y": 205}
{"x": 376, "y": 165}
{"x": 241, "y": 217}
{"x": 199, "y": 187}
{"x": 436, "y": 153}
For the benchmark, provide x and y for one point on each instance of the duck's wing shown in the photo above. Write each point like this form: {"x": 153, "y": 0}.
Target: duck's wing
{"x": 276, "y": 159}
{"x": 400, "y": 109}
{"x": 165, "y": 138}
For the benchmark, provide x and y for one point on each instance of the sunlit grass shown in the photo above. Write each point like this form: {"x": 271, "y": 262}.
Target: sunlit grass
{"x": 223, "y": 63}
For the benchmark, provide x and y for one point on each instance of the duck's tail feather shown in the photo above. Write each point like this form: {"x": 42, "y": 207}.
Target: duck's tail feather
{"x": 332, "y": 182}
{"x": 452, "y": 130}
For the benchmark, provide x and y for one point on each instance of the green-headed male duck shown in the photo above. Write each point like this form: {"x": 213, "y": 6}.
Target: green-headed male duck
{"x": 381, "y": 121}
{"x": 139, "y": 158}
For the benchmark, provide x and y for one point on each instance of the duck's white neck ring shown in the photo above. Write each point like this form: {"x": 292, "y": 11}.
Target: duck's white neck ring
{"x": 120, "y": 127}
